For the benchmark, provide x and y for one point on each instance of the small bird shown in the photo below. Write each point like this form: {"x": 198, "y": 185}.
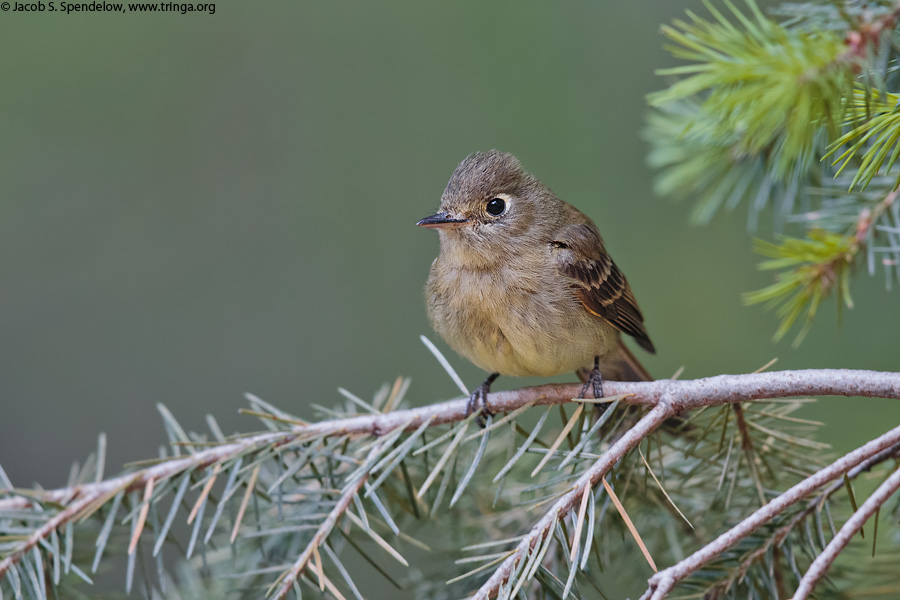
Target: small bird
{"x": 523, "y": 284}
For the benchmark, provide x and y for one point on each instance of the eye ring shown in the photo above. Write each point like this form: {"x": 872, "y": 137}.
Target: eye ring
{"x": 495, "y": 207}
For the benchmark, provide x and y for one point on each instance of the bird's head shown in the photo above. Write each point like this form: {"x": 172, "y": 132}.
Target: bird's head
{"x": 489, "y": 201}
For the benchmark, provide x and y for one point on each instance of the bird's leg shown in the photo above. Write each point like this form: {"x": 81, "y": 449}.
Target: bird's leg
{"x": 594, "y": 381}
{"x": 478, "y": 399}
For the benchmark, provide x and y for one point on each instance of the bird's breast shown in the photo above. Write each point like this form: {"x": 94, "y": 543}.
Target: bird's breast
{"x": 515, "y": 318}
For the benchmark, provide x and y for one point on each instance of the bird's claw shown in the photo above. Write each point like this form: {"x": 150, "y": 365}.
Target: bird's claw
{"x": 478, "y": 401}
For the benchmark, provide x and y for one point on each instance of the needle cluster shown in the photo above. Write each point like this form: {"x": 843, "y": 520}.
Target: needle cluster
{"x": 793, "y": 114}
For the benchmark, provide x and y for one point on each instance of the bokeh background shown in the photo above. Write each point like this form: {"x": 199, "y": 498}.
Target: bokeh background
{"x": 196, "y": 206}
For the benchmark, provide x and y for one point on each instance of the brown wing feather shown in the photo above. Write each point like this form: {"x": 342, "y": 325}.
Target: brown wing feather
{"x": 598, "y": 283}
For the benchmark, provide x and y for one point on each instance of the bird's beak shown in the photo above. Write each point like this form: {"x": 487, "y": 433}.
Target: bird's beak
{"x": 441, "y": 221}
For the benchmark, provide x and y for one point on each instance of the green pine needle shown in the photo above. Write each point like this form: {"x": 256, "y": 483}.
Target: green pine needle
{"x": 873, "y": 141}
{"x": 770, "y": 87}
{"x": 812, "y": 269}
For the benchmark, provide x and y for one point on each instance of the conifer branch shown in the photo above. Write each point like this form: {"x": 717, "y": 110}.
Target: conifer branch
{"x": 829, "y": 150}
{"x": 663, "y": 582}
{"x": 686, "y": 394}
{"x": 45, "y": 530}
{"x": 544, "y": 527}
{"x": 287, "y": 580}
{"x": 353, "y": 447}
{"x": 853, "y": 525}
{"x": 674, "y": 398}
{"x": 138, "y": 479}
{"x": 780, "y": 534}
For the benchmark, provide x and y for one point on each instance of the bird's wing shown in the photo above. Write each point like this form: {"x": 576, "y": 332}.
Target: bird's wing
{"x": 597, "y": 282}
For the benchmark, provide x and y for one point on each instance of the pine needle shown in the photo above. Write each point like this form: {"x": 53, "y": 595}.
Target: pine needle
{"x": 767, "y": 365}
{"x": 629, "y": 525}
{"x": 142, "y": 516}
{"x": 662, "y": 489}
{"x": 251, "y": 487}
{"x": 203, "y": 494}
{"x": 330, "y": 585}
{"x": 470, "y": 472}
{"x": 401, "y": 384}
{"x": 451, "y": 448}
{"x": 343, "y": 571}
{"x": 446, "y": 364}
{"x": 556, "y": 444}
{"x": 377, "y": 539}
{"x": 499, "y": 558}
{"x": 500, "y": 422}
{"x": 524, "y": 447}
{"x": 317, "y": 567}
{"x": 358, "y": 401}
{"x": 173, "y": 510}
{"x": 101, "y": 458}
{"x": 849, "y": 486}
{"x": 103, "y": 536}
{"x": 579, "y": 524}
{"x": 875, "y": 533}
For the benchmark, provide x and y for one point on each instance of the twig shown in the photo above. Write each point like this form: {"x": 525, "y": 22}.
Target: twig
{"x": 782, "y": 532}
{"x": 44, "y": 531}
{"x": 288, "y": 579}
{"x": 662, "y": 583}
{"x": 650, "y": 422}
{"x": 853, "y": 525}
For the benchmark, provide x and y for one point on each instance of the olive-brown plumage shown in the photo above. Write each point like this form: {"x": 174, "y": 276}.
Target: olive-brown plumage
{"x": 523, "y": 284}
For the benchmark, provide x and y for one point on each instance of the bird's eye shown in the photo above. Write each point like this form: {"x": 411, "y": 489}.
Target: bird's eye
{"x": 495, "y": 207}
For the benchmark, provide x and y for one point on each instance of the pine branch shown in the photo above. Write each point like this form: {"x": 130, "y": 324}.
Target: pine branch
{"x": 45, "y": 530}
{"x": 543, "y": 529}
{"x": 684, "y": 395}
{"x": 672, "y": 401}
{"x": 774, "y": 85}
{"x": 287, "y": 580}
{"x": 323, "y": 453}
{"x": 663, "y": 582}
{"x": 854, "y": 525}
{"x": 817, "y": 266}
{"x": 780, "y": 534}
{"x": 799, "y": 115}
{"x": 138, "y": 480}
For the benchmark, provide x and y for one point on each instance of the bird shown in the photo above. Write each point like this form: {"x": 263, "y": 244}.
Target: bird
{"x": 523, "y": 284}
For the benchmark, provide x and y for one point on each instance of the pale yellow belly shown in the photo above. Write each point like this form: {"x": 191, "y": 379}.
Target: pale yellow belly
{"x": 514, "y": 330}
{"x": 532, "y": 354}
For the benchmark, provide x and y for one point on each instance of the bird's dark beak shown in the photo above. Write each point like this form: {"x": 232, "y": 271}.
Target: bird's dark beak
{"x": 441, "y": 221}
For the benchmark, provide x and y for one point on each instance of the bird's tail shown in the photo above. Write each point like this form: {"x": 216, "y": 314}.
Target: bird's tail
{"x": 630, "y": 368}
{"x": 625, "y": 367}
{"x": 622, "y": 366}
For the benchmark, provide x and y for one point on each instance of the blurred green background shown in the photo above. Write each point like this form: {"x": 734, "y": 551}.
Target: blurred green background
{"x": 196, "y": 206}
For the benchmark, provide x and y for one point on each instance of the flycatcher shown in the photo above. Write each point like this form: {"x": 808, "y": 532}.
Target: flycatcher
{"x": 523, "y": 284}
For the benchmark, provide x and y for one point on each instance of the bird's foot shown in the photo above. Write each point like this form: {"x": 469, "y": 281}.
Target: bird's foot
{"x": 594, "y": 381}
{"x": 478, "y": 400}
